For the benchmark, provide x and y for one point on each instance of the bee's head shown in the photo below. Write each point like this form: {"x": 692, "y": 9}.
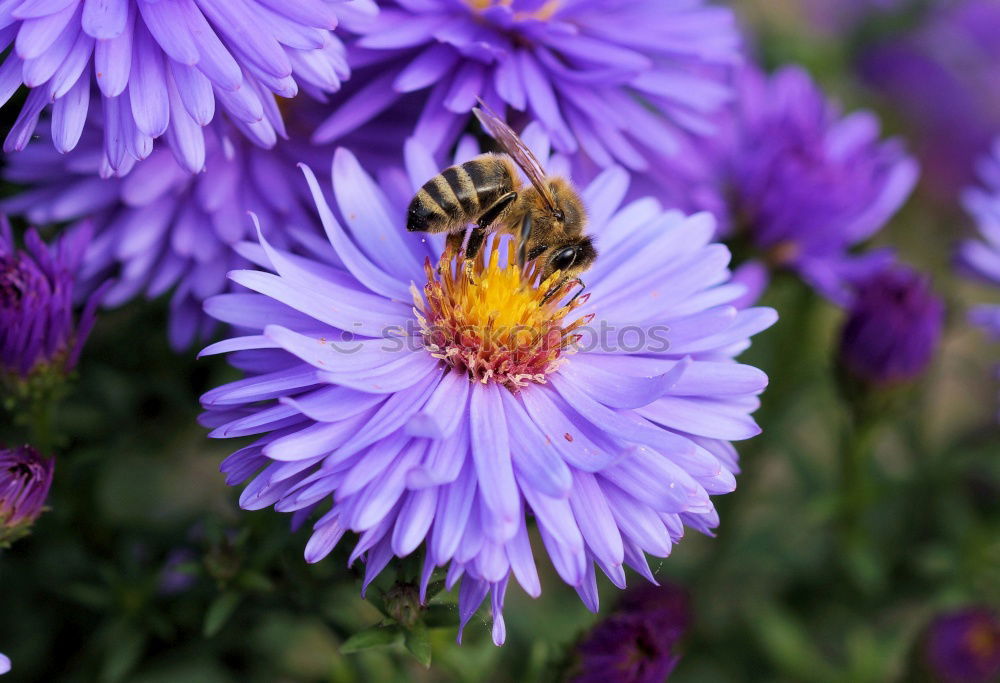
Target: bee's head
{"x": 569, "y": 215}
{"x": 569, "y": 258}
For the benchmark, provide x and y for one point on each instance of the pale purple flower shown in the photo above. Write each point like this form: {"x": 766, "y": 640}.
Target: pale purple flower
{"x": 803, "y": 183}
{"x": 617, "y": 80}
{"x": 365, "y": 413}
{"x": 980, "y": 258}
{"x": 4, "y": 664}
{"x": 161, "y": 228}
{"x": 25, "y": 479}
{"x": 893, "y": 327}
{"x": 39, "y": 331}
{"x": 163, "y": 68}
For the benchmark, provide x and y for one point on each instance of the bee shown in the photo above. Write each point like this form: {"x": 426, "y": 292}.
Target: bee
{"x": 547, "y": 216}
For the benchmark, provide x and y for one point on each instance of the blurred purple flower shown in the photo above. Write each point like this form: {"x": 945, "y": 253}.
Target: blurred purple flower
{"x": 637, "y": 643}
{"x": 618, "y": 79}
{"x": 964, "y": 646}
{"x": 4, "y": 664}
{"x": 612, "y": 451}
{"x": 161, "y": 67}
{"x": 161, "y": 227}
{"x": 38, "y": 332}
{"x": 25, "y": 478}
{"x": 981, "y": 258}
{"x": 893, "y": 327}
{"x": 845, "y": 15}
{"x": 804, "y": 183}
{"x": 175, "y": 575}
{"x": 941, "y": 79}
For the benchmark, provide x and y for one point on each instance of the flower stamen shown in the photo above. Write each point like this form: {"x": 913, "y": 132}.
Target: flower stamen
{"x": 497, "y": 322}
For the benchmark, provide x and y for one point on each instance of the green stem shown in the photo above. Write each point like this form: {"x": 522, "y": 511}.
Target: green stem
{"x": 855, "y": 487}
{"x": 39, "y": 425}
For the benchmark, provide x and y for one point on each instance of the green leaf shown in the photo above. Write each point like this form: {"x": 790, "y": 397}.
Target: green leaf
{"x": 433, "y": 588}
{"x": 787, "y": 644}
{"x": 376, "y": 636}
{"x": 219, "y": 612}
{"x": 419, "y": 644}
{"x": 125, "y": 648}
{"x": 438, "y": 616}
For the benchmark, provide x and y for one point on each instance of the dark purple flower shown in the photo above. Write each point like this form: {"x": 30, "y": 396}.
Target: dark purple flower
{"x": 981, "y": 258}
{"x": 637, "y": 643}
{"x": 893, "y": 327}
{"x": 802, "y": 183}
{"x": 160, "y": 227}
{"x": 418, "y": 406}
{"x": 964, "y": 646}
{"x": 25, "y": 478}
{"x": 161, "y": 68}
{"x": 615, "y": 79}
{"x": 38, "y": 331}
{"x": 941, "y": 80}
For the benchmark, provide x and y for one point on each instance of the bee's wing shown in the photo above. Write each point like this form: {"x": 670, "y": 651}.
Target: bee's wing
{"x": 518, "y": 151}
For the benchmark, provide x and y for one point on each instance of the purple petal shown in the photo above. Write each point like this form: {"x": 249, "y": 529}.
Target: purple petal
{"x": 491, "y": 455}
{"x": 105, "y": 19}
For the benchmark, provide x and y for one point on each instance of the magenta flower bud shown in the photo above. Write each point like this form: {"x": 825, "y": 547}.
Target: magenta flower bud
{"x": 25, "y": 478}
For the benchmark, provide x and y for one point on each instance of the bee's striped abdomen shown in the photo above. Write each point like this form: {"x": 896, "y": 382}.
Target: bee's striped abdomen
{"x": 460, "y": 194}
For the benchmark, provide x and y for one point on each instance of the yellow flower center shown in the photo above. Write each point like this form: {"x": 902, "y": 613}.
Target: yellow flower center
{"x": 496, "y": 322}
{"x": 543, "y": 13}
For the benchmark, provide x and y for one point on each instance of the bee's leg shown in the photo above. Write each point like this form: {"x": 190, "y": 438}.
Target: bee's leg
{"x": 559, "y": 286}
{"x": 522, "y": 250}
{"x": 485, "y": 221}
{"x": 476, "y": 238}
{"x": 453, "y": 242}
{"x": 578, "y": 292}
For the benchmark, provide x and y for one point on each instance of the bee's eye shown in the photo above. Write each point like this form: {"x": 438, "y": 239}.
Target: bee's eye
{"x": 564, "y": 258}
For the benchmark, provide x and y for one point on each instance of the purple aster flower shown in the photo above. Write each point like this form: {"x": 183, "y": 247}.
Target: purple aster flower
{"x": 160, "y": 227}
{"x": 416, "y": 402}
{"x": 4, "y": 664}
{"x": 616, "y": 79}
{"x": 38, "y": 332}
{"x": 25, "y": 478}
{"x": 941, "y": 80}
{"x": 802, "y": 183}
{"x": 161, "y": 68}
{"x": 981, "y": 258}
{"x": 637, "y": 643}
{"x": 893, "y": 327}
{"x": 964, "y": 646}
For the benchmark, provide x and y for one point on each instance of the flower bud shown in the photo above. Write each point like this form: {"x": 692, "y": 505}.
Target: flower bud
{"x": 638, "y": 641}
{"x": 25, "y": 478}
{"x": 893, "y": 327}
{"x": 40, "y": 340}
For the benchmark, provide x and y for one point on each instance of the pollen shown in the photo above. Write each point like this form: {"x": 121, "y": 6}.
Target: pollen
{"x": 493, "y": 320}
{"x": 543, "y": 13}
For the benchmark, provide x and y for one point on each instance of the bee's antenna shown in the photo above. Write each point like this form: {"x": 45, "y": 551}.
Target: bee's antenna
{"x": 522, "y": 250}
